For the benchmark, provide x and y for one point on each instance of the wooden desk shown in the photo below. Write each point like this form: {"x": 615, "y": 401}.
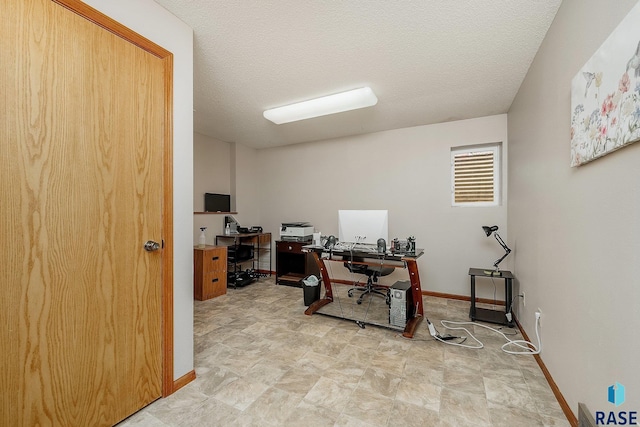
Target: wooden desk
{"x": 390, "y": 260}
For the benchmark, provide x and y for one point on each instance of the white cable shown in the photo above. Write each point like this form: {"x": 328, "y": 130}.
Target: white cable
{"x": 528, "y": 347}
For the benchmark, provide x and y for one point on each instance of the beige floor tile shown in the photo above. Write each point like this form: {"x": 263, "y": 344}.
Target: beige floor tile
{"x": 346, "y": 373}
{"x": 500, "y": 394}
{"x": 548, "y": 421}
{"x": 274, "y": 406}
{"x": 514, "y": 417}
{"x": 274, "y": 366}
{"x": 408, "y": 415}
{"x": 379, "y": 381}
{"x": 213, "y": 413}
{"x": 356, "y": 354}
{"x": 178, "y": 407}
{"x": 370, "y": 407}
{"x": 142, "y": 419}
{"x": 346, "y": 420}
{"x": 315, "y": 362}
{"x": 329, "y": 394}
{"x": 419, "y": 393}
{"x": 211, "y": 381}
{"x": 389, "y": 362}
{"x": 297, "y": 381}
{"x": 462, "y": 408}
{"x": 268, "y": 371}
{"x": 466, "y": 380}
{"x": 432, "y": 375}
{"x": 240, "y": 393}
{"x": 309, "y": 415}
{"x": 366, "y": 342}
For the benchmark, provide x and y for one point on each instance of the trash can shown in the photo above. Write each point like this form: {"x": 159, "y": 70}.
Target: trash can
{"x": 311, "y": 289}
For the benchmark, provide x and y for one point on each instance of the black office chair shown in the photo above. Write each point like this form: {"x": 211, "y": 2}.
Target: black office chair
{"x": 372, "y": 272}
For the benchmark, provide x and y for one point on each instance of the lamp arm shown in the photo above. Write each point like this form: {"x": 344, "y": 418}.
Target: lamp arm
{"x": 502, "y": 243}
{"x": 504, "y": 246}
{"x": 498, "y": 261}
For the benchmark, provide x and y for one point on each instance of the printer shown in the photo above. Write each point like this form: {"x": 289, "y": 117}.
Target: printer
{"x": 296, "y": 231}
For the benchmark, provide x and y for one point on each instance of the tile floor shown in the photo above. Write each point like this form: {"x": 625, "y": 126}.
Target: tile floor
{"x": 261, "y": 362}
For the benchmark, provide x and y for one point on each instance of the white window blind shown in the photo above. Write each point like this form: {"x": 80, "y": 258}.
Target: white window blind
{"x": 475, "y": 176}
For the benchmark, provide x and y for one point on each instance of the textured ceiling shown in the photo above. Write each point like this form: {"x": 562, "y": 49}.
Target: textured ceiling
{"x": 428, "y": 61}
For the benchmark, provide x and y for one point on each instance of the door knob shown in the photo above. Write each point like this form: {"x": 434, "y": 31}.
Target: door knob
{"x": 151, "y": 246}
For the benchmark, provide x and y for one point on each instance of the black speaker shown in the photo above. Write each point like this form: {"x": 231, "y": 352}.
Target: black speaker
{"x": 382, "y": 246}
{"x": 331, "y": 242}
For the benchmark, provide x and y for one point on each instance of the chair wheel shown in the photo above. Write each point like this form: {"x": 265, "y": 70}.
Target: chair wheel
{"x": 359, "y": 301}
{"x": 350, "y": 293}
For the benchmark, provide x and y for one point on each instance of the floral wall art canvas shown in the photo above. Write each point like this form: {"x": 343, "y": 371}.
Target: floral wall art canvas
{"x": 605, "y": 95}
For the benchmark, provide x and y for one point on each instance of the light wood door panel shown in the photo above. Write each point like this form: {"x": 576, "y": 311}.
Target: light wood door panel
{"x": 81, "y": 139}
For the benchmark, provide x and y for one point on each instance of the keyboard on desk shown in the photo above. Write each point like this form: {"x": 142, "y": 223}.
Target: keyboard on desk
{"x": 355, "y": 247}
{"x": 365, "y": 248}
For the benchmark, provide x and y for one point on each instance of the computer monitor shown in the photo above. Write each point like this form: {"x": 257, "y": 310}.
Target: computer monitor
{"x": 363, "y": 226}
{"x": 214, "y": 202}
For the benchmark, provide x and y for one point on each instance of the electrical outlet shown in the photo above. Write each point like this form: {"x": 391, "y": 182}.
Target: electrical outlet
{"x": 539, "y": 315}
{"x": 524, "y": 303}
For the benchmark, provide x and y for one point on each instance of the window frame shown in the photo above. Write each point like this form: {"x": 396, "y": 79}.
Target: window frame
{"x": 496, "y": 149}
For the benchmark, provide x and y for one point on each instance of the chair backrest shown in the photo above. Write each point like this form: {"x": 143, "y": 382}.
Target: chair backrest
{"x": 369, "y": 270}
{"x": 356, "y": 268}
{"x": 379, "y": 271}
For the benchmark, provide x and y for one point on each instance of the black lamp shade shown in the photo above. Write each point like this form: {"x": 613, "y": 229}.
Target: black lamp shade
{"x": 488, "y": 230}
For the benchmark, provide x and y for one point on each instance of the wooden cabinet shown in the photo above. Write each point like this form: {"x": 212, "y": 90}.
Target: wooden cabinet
{"x": 210, "y": 272}
{"x": 293, "y": 265}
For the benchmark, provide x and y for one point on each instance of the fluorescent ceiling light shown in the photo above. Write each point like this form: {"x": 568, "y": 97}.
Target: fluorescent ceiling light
{"x": 345, "y": 101}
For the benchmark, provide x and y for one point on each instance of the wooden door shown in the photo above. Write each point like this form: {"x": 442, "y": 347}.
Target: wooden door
{"x": 81, "y": 183}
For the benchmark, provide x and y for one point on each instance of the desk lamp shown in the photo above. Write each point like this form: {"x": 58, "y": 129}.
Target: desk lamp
{"x": 494, "y": 229}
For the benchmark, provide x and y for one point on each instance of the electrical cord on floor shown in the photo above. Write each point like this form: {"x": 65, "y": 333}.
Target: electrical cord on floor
{"x": 448, "y": 338}
{"x": 527, "y": 347}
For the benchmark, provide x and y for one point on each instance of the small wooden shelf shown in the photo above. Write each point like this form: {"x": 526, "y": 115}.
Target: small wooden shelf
{"x": 292, "y": 277}
{"x": 292, "y": 264}
{"x": 214, "y": 213}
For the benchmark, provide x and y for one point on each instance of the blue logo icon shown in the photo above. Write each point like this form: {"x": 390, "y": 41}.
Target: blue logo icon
{"x": 616, "y": 394}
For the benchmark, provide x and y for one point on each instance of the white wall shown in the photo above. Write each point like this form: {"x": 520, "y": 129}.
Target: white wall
{"x": 228, "y": 168}
{"x": 248, "y": 182}
{"x": 408, "y": 172}
{"x": 153, "y": 22}
{"x": 212, "y": 173}
{"x": 575, "y": 231}
{"x": 211, "y": 168}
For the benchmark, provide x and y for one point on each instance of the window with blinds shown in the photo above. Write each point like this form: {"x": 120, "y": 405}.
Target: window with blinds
{"x": 475, "y": 173}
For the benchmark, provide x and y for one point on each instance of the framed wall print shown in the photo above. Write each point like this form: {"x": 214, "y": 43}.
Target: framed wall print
{"x": 605, "y": 95}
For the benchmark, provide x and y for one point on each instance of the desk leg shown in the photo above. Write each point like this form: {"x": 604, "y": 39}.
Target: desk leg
{"x": 416, "y": 293}
{"x": 508, "y": 292}
{"x": 472, "y": 310}
{"x": 327, "y": 285}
